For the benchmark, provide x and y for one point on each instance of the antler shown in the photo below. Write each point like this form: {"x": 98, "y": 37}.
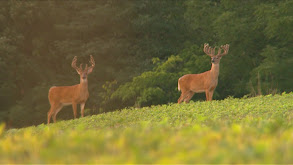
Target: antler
{"x": 208, "y": 50}
{"x": 92, "y": 62}
{"x": 225, "y": 48}
{"x": 211, "y": 51}
{"x": 73, "y": 64}
{"x": 79, "y": 69}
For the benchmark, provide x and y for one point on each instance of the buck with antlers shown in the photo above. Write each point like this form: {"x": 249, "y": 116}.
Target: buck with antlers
{"x": 202, "y": 82}
{"x": 71, "y": 95}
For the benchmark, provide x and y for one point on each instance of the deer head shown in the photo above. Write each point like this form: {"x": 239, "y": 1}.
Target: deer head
{"x": 83, "y": 72}
{"x": 215, "y": 59}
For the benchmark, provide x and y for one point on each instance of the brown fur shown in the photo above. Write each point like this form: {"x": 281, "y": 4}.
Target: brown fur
{"x": 70, "y": 95}
{"x": 202, "y": 82}
{"x": 66, "y": 95}
{"x": 198, "y": 83}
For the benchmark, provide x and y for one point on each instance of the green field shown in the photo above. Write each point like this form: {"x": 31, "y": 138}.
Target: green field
{"x": 248, "y": 130}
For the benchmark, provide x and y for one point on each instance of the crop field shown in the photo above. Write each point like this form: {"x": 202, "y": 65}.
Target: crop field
{"x": 247, "y": 130}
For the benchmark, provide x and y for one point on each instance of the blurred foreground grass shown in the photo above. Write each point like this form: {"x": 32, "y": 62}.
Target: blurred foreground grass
{"x": 253, "y": 130}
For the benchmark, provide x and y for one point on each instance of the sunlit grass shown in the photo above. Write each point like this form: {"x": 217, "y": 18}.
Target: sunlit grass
{"x": 254, "y": 130}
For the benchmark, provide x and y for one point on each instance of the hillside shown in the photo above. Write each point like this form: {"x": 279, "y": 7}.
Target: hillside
{"x": 248, "y": 130}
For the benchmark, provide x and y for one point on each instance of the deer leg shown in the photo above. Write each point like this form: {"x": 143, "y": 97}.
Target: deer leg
{"x": 207, "y": 95}
{"x": 182, "y": 97}
{"x": 188, "y": 97}
{"x": 82, "y": 109}
{"x": 56, "y": 110}
{"x": 51, "y": 112}
{"x": 211, "y": 95}
{"x": 74, "y": 109}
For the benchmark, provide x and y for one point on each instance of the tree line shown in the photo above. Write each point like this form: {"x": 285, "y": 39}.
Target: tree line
{"x": 141, "y": 48}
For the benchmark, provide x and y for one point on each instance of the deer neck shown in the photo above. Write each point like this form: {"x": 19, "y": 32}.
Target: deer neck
{"x": 83, "y": 85}
{"x": 215, "y": 70}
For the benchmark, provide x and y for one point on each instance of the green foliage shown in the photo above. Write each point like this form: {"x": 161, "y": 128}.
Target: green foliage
{"x": 24, "y": 113}
{"x": 259, "y": 56}
{"x": 143, "y": 46}
{"x": 276, "y": 66}
{"x": 38, "y": 40}
{"x": 160, "y": 85}
{"x": 253, "y": 130}
{"x": 152, "y": 87}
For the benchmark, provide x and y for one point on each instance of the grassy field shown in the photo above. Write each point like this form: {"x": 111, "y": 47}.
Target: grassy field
{"x": 251, "y": 130}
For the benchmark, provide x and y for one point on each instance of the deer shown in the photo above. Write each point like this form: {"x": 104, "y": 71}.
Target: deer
{"x": 202, "y": 82}
{"x": 60, "y": 96}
